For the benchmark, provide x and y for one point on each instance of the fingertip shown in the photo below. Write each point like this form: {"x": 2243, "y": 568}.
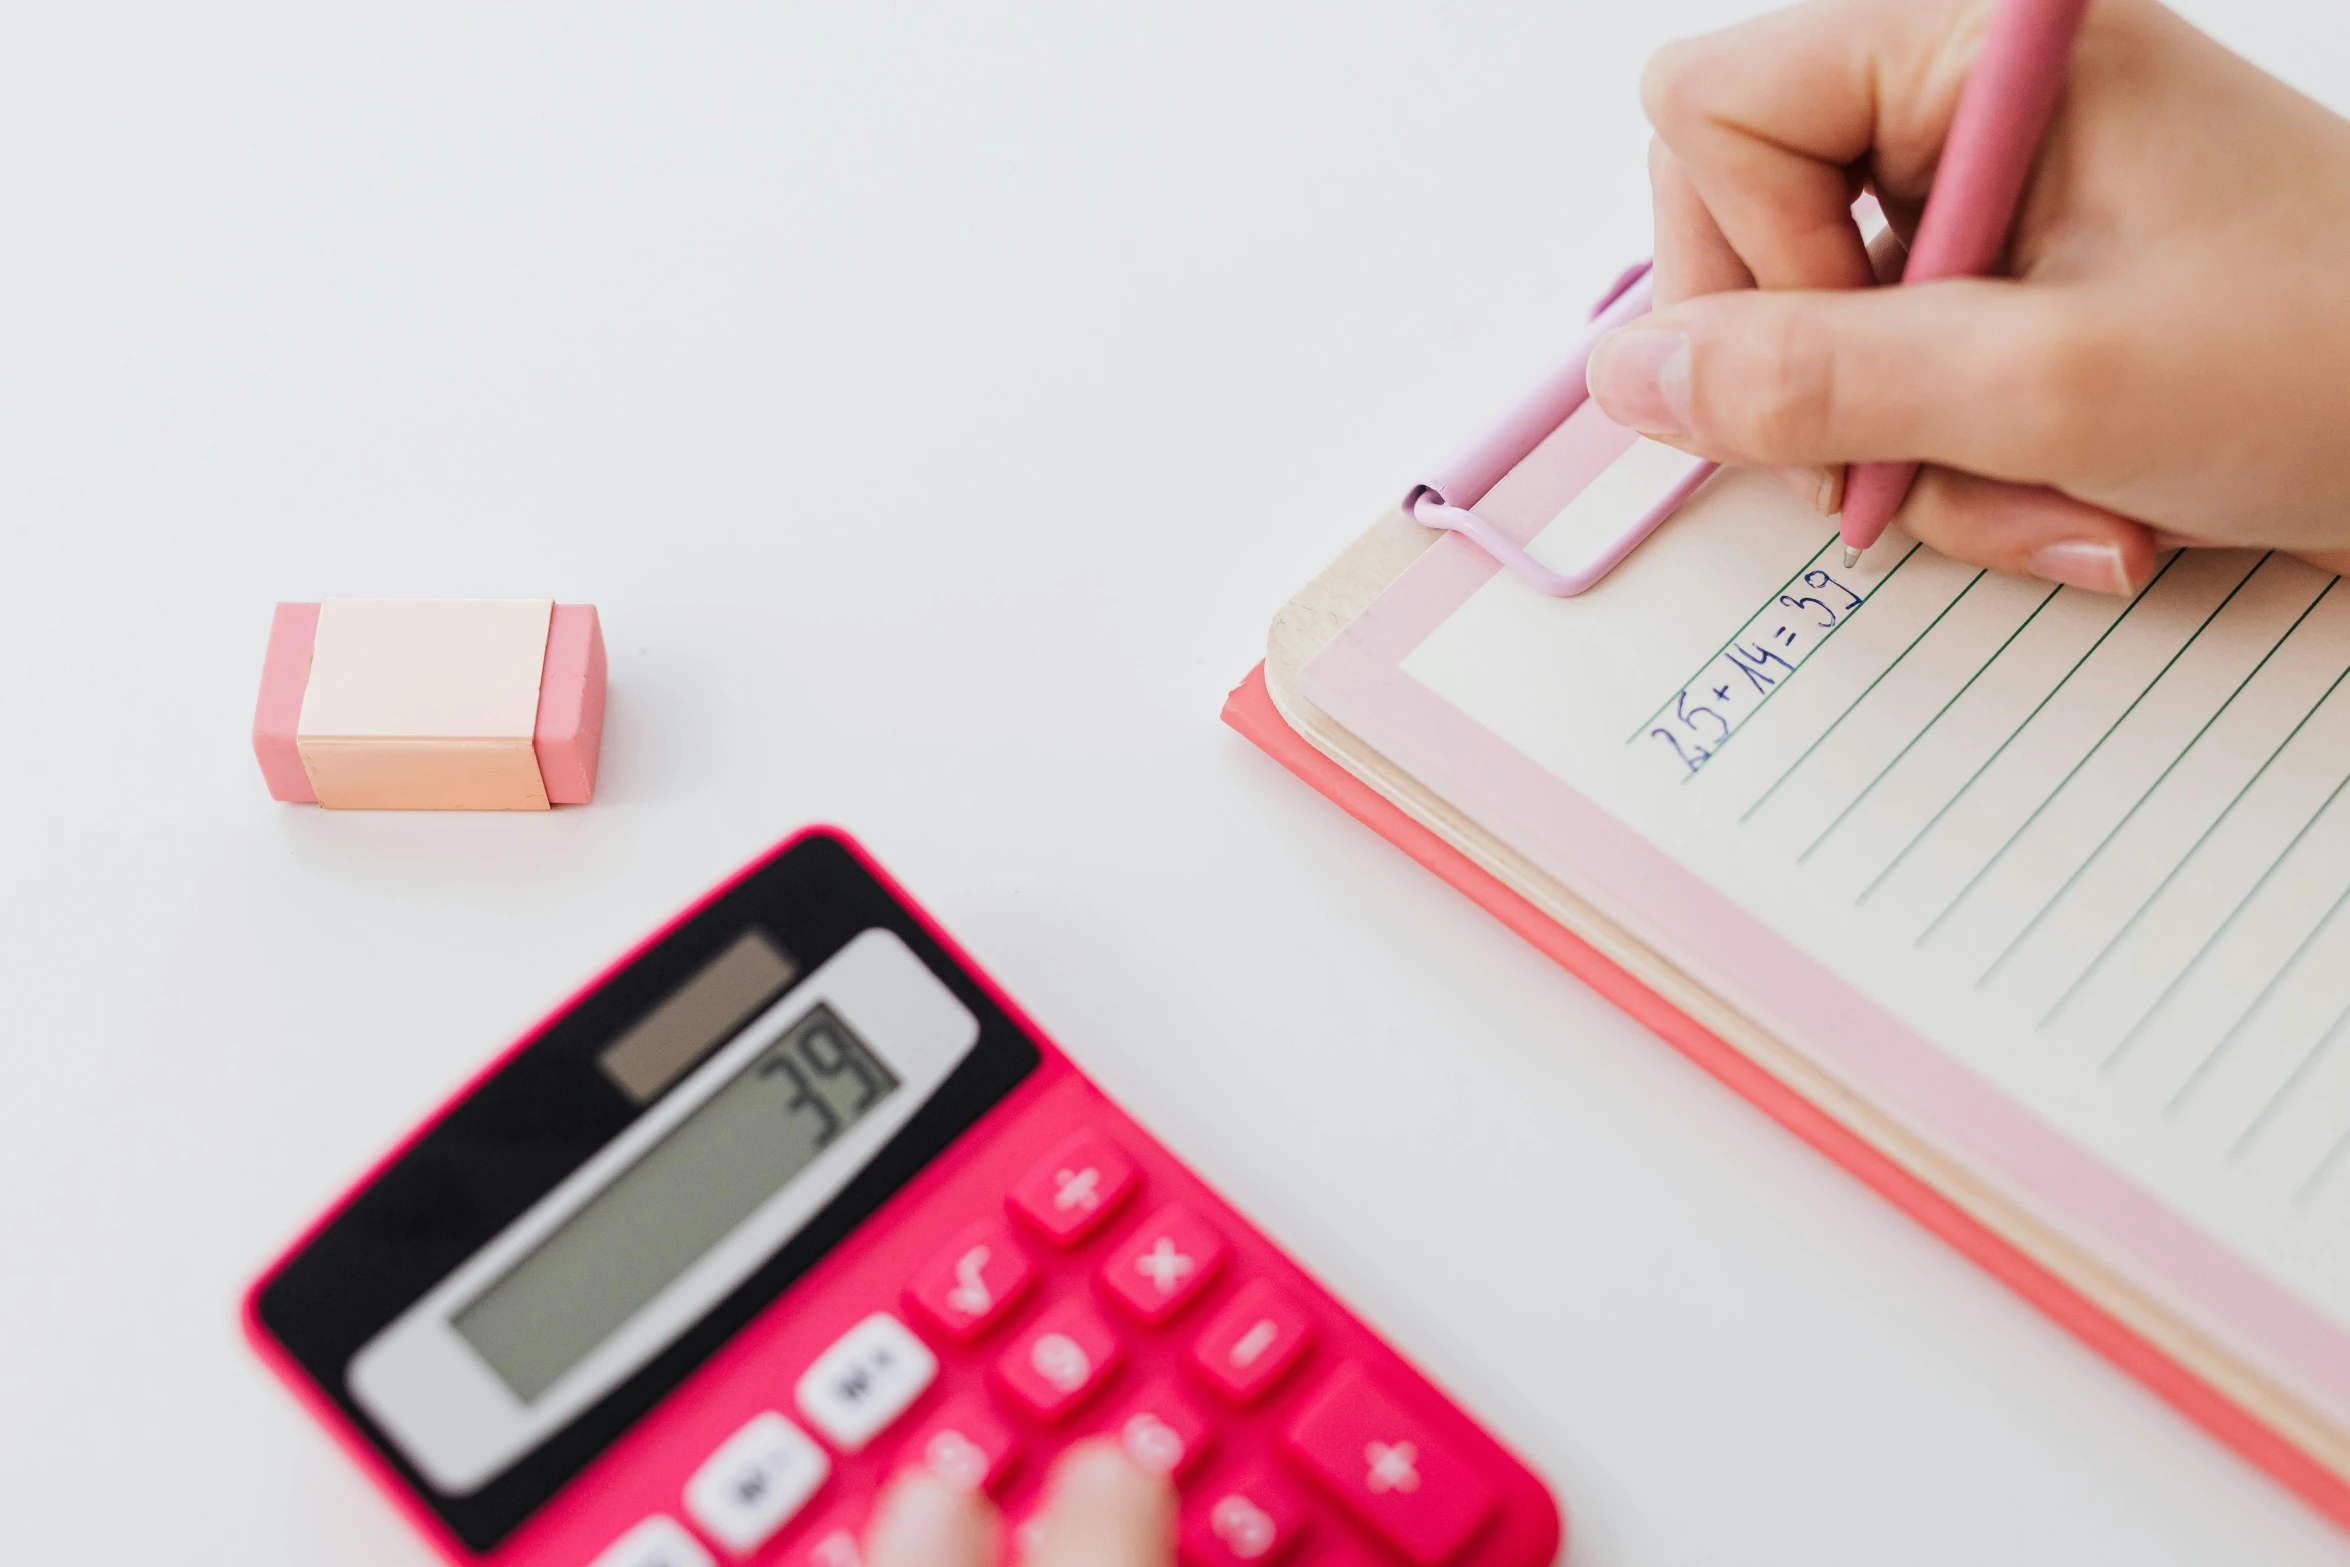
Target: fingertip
{"x": 1103, "y": 1510}
{"x": 1639, "y": 376}
{"x": 2029, "y": 530}
{"x": 1663, "y": 84}
{"x": 924, "y": 1522}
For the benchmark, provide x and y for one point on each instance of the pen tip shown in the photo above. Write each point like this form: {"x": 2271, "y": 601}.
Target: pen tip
{"x": 1851, "y": 557}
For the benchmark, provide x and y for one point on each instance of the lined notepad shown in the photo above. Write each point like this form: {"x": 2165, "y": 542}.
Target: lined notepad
{"x": 2097, "y": 849}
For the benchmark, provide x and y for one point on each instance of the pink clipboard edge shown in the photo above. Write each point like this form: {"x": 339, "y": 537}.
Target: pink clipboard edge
{"x": 1249, "y": 710}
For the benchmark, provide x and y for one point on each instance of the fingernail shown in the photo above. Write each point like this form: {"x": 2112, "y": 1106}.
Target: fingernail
{"x": 1822, "y": 489}
{"x": 1641, "y": 377}
{"x": 1831, "y": 500}
{"x": 2095, "y": 564}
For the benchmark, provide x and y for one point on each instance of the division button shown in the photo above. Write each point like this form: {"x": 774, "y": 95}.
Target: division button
{"x": 757, "y": 1480}
{"x": 865, "y": 1380}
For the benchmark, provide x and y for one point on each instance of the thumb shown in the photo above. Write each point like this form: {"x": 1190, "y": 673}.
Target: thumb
{"x": 1980, "y": 375}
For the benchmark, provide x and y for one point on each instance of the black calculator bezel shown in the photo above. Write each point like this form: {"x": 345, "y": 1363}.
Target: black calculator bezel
{"x": 547, "y": 1109}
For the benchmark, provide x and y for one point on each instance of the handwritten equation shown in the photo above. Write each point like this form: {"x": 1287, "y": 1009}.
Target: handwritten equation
{"x": 1743, "y": 674}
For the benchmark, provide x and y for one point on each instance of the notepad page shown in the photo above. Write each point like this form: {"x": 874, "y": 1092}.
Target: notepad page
{"x": 2097, "y": 848}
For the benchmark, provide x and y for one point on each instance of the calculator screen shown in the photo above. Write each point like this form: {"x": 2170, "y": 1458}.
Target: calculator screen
{"x": 638, "y": 1182}
{"x": 680, "y": 1198}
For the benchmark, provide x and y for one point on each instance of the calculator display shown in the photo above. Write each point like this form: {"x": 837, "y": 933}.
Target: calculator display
{"x": 680, "y": 1198}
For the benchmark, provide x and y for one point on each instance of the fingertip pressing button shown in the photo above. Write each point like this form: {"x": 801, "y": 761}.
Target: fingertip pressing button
{"x": 1161, "y": 1430}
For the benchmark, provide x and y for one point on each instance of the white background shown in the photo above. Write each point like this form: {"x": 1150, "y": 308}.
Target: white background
{"x": 937, "y": 402}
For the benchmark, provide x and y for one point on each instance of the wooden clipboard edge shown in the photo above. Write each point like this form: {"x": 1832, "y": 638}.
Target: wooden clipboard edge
{"x": 2259, "y": 1420}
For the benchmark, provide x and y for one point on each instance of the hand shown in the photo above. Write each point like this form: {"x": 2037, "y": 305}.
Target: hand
{"x": 2168, "y": 360}
{"x": 1100, "y": 1511}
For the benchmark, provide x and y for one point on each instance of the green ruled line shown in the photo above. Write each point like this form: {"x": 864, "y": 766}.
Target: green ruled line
{"x": 2193, "y": 849}
{"x": 1884, "y": 771}
{"x": 2325, "y": 1166}
{"x": 2064, "y": 783}
{"x": 2288, "y": 1088}
{"x": 1638, "y": 733}
{"x": 1807, "y": 658}
{"x": 1920, "y": 835}
{"x": 2122, "y": 1048}
{"x": 1864, "y": 696}
{"x": 2147, "y": 793}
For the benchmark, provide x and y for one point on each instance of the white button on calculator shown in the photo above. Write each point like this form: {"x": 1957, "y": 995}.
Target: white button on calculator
{"x": 866, "y": 1380}
{"x": 660, "y": 1541}
{"x": 754, "y": 1483}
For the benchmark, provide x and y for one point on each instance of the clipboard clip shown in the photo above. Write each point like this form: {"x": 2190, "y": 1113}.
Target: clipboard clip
{"x": 1449, "y": 499}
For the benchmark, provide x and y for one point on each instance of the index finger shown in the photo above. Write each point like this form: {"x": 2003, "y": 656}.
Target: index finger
{"x": 1102, "y": 1511}
{"x": 1775, "y": 122}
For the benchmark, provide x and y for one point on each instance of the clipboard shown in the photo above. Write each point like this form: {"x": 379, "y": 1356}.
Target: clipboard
{"x": 2251, "y": 1413}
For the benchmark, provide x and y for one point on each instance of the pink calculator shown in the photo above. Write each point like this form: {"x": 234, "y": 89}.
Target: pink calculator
{"x": 793, "y": 1196}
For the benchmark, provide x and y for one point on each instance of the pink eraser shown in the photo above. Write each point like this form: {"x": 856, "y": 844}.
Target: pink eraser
{"x": 571, "y": 705}
{"x": 432, "y": 704}
{"x": 285, "y": 671}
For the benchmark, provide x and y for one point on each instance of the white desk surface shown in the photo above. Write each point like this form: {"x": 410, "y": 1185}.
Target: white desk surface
{"x": 937, "y": 402}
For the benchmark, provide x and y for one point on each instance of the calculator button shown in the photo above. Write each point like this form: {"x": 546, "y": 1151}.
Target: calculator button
{"x": 1075, "y": 1188}
{"x": 967, "y": 1288}
{"x": 755, "y": 1482}
{"x": 1059, "y": 1362}
{"x": 1252, "y": 1342}
{"x": 1164, "y": 1264}
{"x": 1246, "y": 1520}
{"x": 865, "y": 1381}
{"x": 965, "y": 1445}
{"x": 836, "y": 1541}
{"x": 660, "y": 1541}
{"x": 1161, "y": 1430}
{"x": 1382, "y": 1463}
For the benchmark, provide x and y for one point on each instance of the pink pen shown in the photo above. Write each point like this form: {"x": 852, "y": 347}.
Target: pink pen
{"x": 2002, "y": 112}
